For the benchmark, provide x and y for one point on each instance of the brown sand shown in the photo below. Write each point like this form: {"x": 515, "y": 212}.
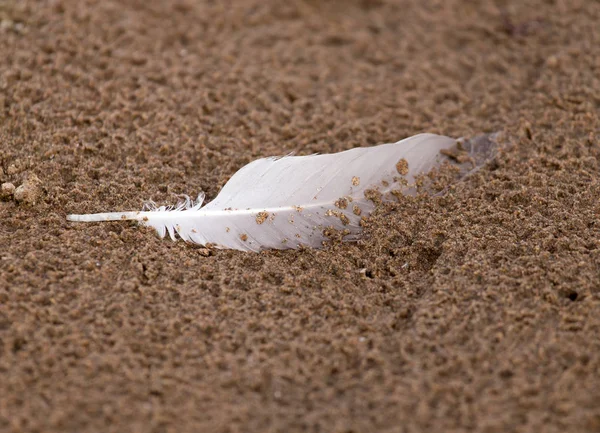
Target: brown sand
{"x": 478, "y": 311}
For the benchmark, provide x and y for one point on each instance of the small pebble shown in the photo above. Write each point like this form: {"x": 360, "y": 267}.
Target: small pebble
{"x": 6, "y": 191}
{"x": 30, "y": 191}
{"x": 552, "y": 61}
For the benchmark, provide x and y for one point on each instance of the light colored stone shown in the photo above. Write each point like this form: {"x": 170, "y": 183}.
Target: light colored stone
{"x": 552, "y": 61}
{"x": 30, "y": 191}
{"x": 6, "y": 191}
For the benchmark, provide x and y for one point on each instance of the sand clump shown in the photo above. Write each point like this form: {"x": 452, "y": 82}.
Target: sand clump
{"x": 7, "y": 191}
{"x": 29, "y": 192}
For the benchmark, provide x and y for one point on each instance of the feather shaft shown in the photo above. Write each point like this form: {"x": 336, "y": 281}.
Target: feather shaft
{"x": 106, "y": 216}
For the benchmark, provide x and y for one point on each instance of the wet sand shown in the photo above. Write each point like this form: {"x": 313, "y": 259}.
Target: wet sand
{"x": 475, "y": 311}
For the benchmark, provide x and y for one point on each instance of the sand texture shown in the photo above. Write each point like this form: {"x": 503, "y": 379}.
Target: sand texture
{"x": 474, "y": 311}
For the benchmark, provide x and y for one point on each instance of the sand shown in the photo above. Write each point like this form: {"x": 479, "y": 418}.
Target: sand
{"x": 475, "y": 311}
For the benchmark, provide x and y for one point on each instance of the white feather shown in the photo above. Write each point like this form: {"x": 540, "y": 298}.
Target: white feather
{"x": 288, "y": 202}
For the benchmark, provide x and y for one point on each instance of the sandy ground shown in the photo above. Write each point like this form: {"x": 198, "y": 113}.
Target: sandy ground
{"x": 476, "y": 311}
